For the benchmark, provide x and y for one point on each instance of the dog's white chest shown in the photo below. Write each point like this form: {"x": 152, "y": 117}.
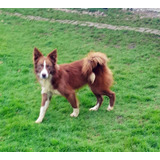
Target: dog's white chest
{"x": 47, "y": 87}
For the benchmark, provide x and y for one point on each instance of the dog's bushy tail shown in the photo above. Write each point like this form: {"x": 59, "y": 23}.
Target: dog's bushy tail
{"x": 93, "y": 60}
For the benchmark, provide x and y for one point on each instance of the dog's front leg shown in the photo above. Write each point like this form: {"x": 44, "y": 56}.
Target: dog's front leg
{"x": 44, "y": 106}
{"x": 74, "y": 103}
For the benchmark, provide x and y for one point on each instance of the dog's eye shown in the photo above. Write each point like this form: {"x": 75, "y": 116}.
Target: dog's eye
{"x": 47, "y": 66}
{"x": 40, "y": 66}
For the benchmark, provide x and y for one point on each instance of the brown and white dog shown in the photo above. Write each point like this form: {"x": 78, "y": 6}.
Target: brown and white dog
{"x": 65, "y": 78}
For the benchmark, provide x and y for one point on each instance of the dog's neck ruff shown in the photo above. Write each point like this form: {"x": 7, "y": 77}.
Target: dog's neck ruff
{"x": 47, "y": 87}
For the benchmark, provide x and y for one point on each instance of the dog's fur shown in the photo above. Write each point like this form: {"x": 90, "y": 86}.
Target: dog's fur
{"x": 65, "y": 78}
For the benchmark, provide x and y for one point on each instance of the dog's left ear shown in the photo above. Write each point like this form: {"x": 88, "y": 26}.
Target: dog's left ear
{"x": 53, "y": 56}
{"x": 36, "y": 54}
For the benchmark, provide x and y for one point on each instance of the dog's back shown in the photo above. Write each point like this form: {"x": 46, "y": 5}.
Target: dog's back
{"x": 72, "y": 74}
{"x": 90, "y": 70}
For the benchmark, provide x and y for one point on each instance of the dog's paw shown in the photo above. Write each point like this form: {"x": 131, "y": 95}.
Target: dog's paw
{"x": 38, "y": 120}
{"x": 109, "y": 108}
{"x": 93, "y": 109}
{"x": 75, "y": 113}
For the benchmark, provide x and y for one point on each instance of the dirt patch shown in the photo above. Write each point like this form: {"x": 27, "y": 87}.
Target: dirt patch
{"x": 120, "y": 119}
{"x": 96, "y": 14}
{"x": 131, "y": 46}
{"x": 117, "y": 46}
{"x": 145, "y": 12}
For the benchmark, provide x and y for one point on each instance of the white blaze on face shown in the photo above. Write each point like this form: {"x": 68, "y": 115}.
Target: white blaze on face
{"x": 44, "y": 73}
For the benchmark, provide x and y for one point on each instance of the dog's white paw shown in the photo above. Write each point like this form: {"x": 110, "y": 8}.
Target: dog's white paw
{"x": 109, "y": 108}
{"x": 38, "y": 120}
{"x": 75, "y": 113}
{"x": 93, "y": 109}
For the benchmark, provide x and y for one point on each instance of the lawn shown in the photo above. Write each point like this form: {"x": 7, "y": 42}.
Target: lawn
{"x": 133, "y": 125}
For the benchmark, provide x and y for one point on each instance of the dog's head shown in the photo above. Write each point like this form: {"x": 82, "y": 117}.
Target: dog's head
{"x": 44, "y": 66}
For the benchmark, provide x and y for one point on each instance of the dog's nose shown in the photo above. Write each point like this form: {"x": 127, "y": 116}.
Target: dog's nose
{"x": 44, "y": 75}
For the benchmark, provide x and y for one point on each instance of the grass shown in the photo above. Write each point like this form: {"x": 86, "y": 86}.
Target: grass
{"x": 114, "y": 16}
{"x": 135, "y": 61}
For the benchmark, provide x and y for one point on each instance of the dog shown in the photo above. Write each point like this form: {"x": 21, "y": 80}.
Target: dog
{"x": 64, "y": 79}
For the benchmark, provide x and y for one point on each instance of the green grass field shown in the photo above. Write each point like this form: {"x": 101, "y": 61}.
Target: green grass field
{"x": 133, "y": 125}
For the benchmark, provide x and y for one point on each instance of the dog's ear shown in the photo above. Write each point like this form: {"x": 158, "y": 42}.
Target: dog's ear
{"x": 37, "y": 54}
{"x": 53, "y": 56}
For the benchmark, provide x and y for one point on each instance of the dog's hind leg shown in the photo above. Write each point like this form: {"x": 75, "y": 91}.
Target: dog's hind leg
{"x": 44, "y": 106}
{"x": 99, "y": 103}
{"x": 112, "y": 98}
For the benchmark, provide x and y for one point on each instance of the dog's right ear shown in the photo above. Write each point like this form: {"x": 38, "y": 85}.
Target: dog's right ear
{"x": 53, "y": 56}
{"x": 37, "y": 54}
